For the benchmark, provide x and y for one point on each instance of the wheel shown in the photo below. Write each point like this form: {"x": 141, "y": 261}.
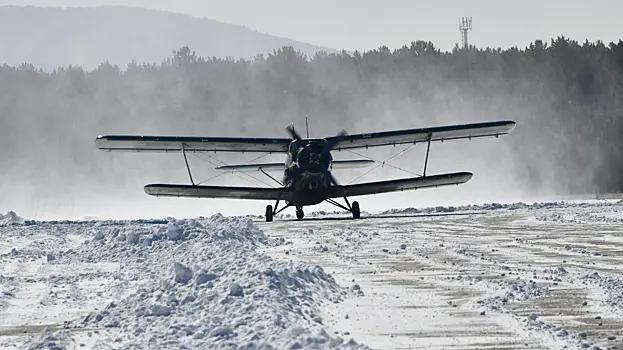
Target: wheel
{"x": 299, "y": 213}
{"x": 269, "y": 213}
{"x": 355, "y": 210}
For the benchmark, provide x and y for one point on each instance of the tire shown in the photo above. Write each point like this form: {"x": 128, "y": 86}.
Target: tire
{"x": 300, "y": 214}
{"x": 269, "y": 213}
{"x": 355, "y": 210}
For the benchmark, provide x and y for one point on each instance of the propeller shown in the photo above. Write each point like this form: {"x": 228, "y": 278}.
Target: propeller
{"x": 293, "y": 133}
{"x": 328, "y": 146}
{"x": 332, "y": 179}
{"x": 295, "y": 137}
{"x": 334, "y": 140}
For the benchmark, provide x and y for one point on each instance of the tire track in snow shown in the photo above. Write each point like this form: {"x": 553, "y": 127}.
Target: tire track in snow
{"x": 503, "y": 264}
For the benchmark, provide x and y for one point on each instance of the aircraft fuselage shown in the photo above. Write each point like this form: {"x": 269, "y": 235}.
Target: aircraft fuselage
{"x": 307, "y": 171}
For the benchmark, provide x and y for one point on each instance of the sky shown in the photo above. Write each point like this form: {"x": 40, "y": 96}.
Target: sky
{"x": 364, "y": 25}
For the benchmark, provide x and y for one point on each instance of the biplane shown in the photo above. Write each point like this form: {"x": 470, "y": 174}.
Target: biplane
{"x": 307, "y": 178}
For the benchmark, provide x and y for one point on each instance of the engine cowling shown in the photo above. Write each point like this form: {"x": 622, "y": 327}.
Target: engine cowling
{"x": 313, "y": 158}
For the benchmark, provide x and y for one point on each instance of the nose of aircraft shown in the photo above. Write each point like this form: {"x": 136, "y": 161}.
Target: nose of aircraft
{"x": 314, "y": 159}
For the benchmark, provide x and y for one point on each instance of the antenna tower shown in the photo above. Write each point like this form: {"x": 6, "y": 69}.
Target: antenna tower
{"x": 465, "y": 25}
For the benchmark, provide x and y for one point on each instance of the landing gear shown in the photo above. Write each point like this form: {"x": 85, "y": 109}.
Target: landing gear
{"x": 270, "y": 212}
{"x": 299, "y": 213}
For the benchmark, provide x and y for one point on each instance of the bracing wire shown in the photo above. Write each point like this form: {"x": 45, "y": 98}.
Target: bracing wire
{"x": 383, "y": 163}
{"x": 233, "y": 171}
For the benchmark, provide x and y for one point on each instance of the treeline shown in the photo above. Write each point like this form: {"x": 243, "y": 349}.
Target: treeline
{"x": 565, "y": 96}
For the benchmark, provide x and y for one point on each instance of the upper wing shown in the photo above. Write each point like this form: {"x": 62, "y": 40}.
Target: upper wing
{"x": 261, "y": 193}
{"x": 412, "y": 183}
{"x": 130, "y": 143}
{"x": 438, "y": 133}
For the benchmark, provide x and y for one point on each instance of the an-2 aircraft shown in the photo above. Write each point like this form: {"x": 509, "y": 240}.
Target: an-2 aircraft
{"x": 307, "y": 178}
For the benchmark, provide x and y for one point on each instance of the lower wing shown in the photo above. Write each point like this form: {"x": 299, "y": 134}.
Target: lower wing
{"x": 261, "y": 193}
{"x": 287, "y": 194}
{"x": 412, "y": 183}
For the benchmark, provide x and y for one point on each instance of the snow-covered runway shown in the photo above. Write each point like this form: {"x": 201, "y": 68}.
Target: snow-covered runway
{"x": 541, "y": 276}
{"x": 484, "y": 277}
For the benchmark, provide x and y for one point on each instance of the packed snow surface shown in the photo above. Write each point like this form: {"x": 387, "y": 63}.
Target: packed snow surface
{"x": 512, "y": 276}
{"x": 528, "y": 276}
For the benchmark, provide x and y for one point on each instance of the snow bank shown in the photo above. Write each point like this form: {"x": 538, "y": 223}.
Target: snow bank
{"x": 201, "y": 283}
{"x": 10, "y": 218}
{"x": 48, "y": 339}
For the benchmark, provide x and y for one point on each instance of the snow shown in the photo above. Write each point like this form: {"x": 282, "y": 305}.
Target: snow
{"x": 196, "y": 283}
{"x": 541, "y": 275}
{"x": 487, "y": 276}
{"x": 49, "y": 339}
{"x": 10, "y": 218}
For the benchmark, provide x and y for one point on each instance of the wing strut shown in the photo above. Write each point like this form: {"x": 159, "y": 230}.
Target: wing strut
{"x": 427, "y": 152}
{"x": 187, "y": 166}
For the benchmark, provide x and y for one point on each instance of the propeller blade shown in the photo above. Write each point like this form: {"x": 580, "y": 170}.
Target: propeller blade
{"x": 332, "y": 178}
{"x": 293, "y": 133}
{"x": 337, "y": 138}
{"x": 329, "y": 146}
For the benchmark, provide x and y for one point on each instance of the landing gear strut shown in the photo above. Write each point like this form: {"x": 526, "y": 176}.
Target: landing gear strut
{"x": 354, "y": 209}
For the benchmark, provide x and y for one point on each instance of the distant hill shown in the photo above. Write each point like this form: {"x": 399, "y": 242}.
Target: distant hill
{"x": 49, "y": 37}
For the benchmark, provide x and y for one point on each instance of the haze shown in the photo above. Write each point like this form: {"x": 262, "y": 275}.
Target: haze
{"x": 364, "y": 25}
{"x": 50, "y": 122}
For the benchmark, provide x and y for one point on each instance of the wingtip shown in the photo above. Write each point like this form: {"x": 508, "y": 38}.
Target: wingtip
{"x": 149, "y": 189}
{"x": 158, "y": 189}
{"x": 466, "y": 174}
{"x": 99, "y": 142}
{"x": 462, "y": 176}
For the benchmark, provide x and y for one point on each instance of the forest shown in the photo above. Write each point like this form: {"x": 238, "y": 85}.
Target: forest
{"x": 565, "y": 96}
